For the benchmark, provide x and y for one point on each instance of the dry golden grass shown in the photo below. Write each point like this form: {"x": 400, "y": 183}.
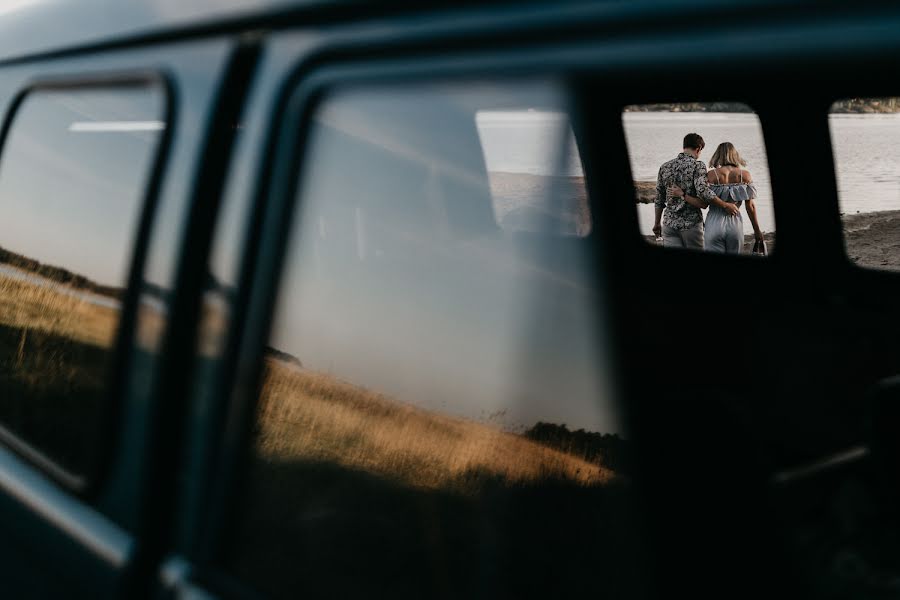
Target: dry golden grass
{"x": 49, "y": 308}
{"x": 45, "y": 308}
{"x": 313, "y": 417}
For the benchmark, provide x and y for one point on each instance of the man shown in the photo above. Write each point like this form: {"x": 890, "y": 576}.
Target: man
{"x": 682, "y": 223}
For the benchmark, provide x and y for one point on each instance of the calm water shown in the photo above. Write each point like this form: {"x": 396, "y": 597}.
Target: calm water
{"x": 867, "y": 149}
{"x": 654, "y": 138}
{"x": 867, "y": 156}
{"x": 533, "y": 142}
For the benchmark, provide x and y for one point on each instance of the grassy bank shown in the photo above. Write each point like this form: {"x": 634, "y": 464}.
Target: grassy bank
{"x": 58, "y": 274}
{"x": 50, "y": 310}
{"x": 350, "y": 493}
{"x": 54, "y": 358}
{"x": 312, "y": 417}
{"x": 354, "y": 494}
{"x": 52, "y": 389}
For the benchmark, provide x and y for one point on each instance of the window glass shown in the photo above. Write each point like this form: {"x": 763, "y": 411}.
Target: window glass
{"x": 534, "y": 171}
{"x": 865, "y": 137}
{"x": 727, "y": 206}
{"x": 73, "y": 172}
{"x": 435, "y": 416}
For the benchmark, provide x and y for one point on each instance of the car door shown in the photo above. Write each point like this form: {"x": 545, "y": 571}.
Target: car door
{"x": 410, "y": 153}
{"x": 369, "y": 258}
{"x": 100, "y": 155}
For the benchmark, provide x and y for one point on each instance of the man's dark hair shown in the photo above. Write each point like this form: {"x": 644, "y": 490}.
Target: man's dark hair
{"x": 693, "y": 140}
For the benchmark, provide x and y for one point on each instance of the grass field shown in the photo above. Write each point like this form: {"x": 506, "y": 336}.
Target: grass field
{"x": 54, "y": 359}
{"x": 350, "y": 493}
{"x": 313, "y": 417}
{"x": 52, "y": 342}
{"x": 354, "y": 494}
{"x": 35, "y": 307}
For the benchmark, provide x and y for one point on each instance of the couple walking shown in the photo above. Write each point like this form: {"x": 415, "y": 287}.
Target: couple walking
{"x": 684, "y": 187}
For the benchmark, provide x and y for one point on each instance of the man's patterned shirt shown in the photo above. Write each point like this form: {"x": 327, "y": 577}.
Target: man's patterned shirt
{"x": 689, "y": 174}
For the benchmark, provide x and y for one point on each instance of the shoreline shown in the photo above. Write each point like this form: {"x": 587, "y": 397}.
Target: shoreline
{"x": 748, "y": 242}
{"x": 872, "y": 239}
{"x": 59, "y": 275}
{"x": 855, "y": 106}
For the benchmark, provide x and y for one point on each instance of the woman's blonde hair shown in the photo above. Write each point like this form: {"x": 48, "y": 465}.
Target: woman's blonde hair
{"x": 726, "y": 155}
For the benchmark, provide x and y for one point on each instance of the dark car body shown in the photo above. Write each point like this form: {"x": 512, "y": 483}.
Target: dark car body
{"x": 723, "y": 492}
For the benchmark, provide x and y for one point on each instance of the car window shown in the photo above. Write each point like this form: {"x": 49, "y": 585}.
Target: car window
{"x": 865, "y": 137}
{"x": 436, "y": 415}
{"x": 73, "y": 170}
{"x": 732, "y": 157}
{"x": 534, "y": 171}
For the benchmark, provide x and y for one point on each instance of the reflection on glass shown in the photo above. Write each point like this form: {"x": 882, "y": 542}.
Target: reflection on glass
{"x": 534, "y": 185}
{"x": 72, "y": 177}
{"x": 727, "y": 204}
{"x": 865, "y": 137}
{"x": 435, "y": 416}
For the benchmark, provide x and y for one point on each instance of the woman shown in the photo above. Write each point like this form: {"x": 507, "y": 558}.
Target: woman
{"x": 731, "y": 183}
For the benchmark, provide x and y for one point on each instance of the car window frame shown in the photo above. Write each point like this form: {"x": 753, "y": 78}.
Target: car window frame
{"x": 657, "y": 248}
{"x": 858, "y": 271}
{"x": 299, "y": 93}
{"x": 84, "y": 485}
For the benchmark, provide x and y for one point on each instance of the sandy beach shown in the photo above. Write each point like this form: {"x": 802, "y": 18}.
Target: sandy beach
{"x": 873, "y": 238}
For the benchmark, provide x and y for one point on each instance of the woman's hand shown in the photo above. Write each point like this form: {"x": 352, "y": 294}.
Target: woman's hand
{"x": 760, "y": 236}
{"x": 675, "y": 191}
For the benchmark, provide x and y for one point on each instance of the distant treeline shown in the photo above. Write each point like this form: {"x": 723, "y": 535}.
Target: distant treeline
{"x": 606, "y": 449}
{"x": 66, "y": 277}
{"x": 867, "y": 105}
{"x": 853, "y": 105}
{"x": 733, "y": 107}
{"x": 283, "y": 356}
{"x": 58, "y": 274}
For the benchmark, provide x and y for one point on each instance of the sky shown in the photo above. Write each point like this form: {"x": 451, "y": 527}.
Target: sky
{"x": 73, "y": 175}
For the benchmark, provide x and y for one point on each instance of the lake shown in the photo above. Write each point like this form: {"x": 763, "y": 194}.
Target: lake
{"x": 866, "y": 147}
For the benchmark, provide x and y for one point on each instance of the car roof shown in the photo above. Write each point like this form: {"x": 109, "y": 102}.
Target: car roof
{"x": 31, "y": 28}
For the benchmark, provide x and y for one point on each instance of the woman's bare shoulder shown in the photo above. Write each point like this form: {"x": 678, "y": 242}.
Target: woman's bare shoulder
{"x": 748, "y": 178}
